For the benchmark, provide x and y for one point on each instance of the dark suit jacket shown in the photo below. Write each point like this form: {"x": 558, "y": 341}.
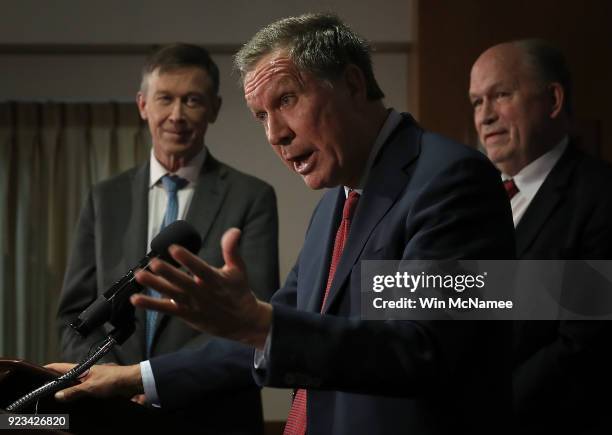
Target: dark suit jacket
{"x": 426, "y": 198}
{"x": 563, "y": 369}
{"x": 111, "y": 237}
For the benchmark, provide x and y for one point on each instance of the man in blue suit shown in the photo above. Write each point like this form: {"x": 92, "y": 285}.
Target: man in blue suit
{"x": 395, "y": 192}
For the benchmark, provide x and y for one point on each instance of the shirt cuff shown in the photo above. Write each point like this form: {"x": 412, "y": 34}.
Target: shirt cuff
{"x": 260, "y": 357}
{"x": 148, "y": 382}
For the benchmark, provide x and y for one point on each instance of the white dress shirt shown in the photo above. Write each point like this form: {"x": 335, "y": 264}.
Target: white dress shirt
{"x": 158, "y": 200}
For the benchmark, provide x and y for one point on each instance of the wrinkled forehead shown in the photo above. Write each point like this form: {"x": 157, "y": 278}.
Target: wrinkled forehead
{"x": 273, "y": 68}
{"x": 488, "y": 75}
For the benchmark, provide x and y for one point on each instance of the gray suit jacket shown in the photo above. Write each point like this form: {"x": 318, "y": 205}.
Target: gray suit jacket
{"x": 111, "y": 236}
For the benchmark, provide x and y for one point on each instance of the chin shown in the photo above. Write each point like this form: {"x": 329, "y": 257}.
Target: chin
{"x": 495, "y": 154}
{"x": 180, "y": 148}
{"x": 314, "y": 183}
{"x": 313, "y": 186}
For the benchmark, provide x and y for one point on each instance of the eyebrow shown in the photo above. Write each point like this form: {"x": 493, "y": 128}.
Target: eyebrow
{"x": 493, "y": 87}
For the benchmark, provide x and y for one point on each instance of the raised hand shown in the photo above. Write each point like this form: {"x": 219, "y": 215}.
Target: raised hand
{"x": 216, "y": 300}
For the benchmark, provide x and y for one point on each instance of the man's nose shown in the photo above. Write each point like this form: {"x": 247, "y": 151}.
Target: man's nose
{"x": 278, "y": 132}
{"x": 176, "y": 112}
{"x": 488, "y": 113}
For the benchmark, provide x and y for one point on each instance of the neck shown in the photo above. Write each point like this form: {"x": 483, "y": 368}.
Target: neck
{"x": 513, "y": 167}
{"x": 174, "y": 162}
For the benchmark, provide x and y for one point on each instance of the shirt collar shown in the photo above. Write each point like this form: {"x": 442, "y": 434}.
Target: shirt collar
{"x": 393, "y": 120}
{"x": 189, "y": 172}
{"x": 530, "y": 178}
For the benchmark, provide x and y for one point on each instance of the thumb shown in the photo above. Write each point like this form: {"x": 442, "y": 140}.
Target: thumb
{"x": 229, "y": 247}
{"x": 70, "y": 394}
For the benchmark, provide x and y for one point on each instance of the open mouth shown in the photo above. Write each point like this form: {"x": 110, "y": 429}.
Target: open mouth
{"x": 303, "y": 163}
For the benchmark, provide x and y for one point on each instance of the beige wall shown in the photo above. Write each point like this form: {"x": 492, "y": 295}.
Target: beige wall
{"x": 235, "y": 138}
{"x": 204, "y": 21}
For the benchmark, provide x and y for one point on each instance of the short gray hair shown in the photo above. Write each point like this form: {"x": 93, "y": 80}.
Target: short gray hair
{"x": 318, "y": 43}
{"x": 549, "y": 64}
{"x": 180, "y": 55}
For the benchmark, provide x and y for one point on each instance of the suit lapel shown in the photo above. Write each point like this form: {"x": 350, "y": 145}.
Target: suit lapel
{"x": 204, "y": 207}
{"x": 545, "y": 202}
{"x": 208, "y": 196}
{"x": 385, "y": 183}
{"x": 316, "y": 263}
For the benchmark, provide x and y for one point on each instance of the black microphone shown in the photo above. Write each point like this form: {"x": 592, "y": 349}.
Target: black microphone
{"x": 106, "y": 306}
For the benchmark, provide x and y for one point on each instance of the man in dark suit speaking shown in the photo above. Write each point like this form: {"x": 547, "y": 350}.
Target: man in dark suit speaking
{"x": 182, "y": 180}
{"x": 562, "y": 210}
{"x": 395, "y": 192}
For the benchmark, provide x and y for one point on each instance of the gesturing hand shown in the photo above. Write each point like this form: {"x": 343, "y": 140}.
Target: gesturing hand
{"x": 215, "y": 300}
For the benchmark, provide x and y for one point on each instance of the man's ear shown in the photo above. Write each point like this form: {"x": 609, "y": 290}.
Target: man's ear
{"x": 557, "y": 95}
{"x": 355, "y": 81}
{"x": 215, "y": 107}
{"x": 141, "y": 103}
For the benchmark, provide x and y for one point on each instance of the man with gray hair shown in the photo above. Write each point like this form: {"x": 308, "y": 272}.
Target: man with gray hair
{"x": 179, "y": 98}
{"x": 395, "y": 192}
{"x": 562, "y": 210}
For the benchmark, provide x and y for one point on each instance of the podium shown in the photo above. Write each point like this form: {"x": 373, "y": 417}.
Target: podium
{"x": 87, "y": 415}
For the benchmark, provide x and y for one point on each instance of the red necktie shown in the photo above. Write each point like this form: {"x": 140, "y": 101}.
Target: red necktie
{"x": 511, "y": 188}
{"x": 296, "y": 421}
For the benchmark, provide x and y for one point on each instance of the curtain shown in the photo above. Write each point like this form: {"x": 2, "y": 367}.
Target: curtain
{"x": 50, "y": 156}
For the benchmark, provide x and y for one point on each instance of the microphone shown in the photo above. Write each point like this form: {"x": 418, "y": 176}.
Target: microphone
{"x": 107, "y": 306}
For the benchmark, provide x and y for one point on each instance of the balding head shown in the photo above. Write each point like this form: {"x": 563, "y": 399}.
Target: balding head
{"x": 518, "y": 110}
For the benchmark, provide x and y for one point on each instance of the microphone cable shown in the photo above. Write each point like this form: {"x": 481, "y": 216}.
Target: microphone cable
{"x": 66, "y": 379}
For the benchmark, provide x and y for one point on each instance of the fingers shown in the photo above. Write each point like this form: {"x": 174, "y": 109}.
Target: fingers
{"x": 139, "y": 398}
{"x": 175, "y": 282}
{"x": 191, "y": 262}
{"x": 70, "y": 394}
{"x": 158, "y": 281}
{"x": 172, "y": 282}
{"x": 60, "y": 367}
{"x": 175, "y": 278}
{"x": 105, "y": 381}
{"x": 167, "y": 306}
{"x": 230, "y": 243}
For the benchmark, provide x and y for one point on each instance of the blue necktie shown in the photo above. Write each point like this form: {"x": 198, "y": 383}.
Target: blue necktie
{"x": 172, "y": 184}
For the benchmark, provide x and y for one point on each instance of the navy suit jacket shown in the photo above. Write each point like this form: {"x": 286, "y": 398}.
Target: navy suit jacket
{"x": 563, "y": 369}
{"x": 426, "y": 198}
